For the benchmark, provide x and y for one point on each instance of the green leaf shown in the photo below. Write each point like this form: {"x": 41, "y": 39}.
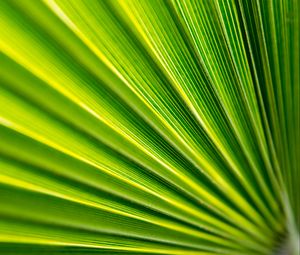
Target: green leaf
{"x": 149, "y": 127}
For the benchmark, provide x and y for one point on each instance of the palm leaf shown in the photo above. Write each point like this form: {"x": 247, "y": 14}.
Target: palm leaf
{"x": 149, "y": 127}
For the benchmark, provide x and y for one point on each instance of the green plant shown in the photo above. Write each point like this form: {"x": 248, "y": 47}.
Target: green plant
{"x": 149, "y": 127}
